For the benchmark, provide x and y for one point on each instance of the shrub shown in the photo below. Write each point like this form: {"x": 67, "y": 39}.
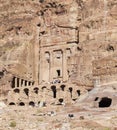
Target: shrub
{"x": 13, "y": 124}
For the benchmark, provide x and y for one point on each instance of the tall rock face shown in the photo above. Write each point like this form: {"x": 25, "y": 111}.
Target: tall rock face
{"x": 50, "y": 41}
{"x": 97, "y": 21}
{"x": 18, "y": 34}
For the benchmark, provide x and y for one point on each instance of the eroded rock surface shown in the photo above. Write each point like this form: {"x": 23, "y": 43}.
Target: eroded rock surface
{"x": 55, "y": 52}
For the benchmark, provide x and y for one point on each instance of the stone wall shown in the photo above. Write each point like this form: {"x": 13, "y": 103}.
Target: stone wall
{"x": 97, "y": 37}
{"x": 105, "y": 69}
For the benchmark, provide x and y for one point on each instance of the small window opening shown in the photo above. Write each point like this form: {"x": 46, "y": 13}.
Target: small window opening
{"x": 26, "y": 91}
{"x": 78, "y": 92}
{"x": 21, "y": 104}
{"x": 96, "y": 98}
{"x": 33, "y": 83}
{"x": 36, "y": 90}
{"x": 31, "y": 104}
{"x": 58, "y": 73}
{"x": 11, "y": 103}
{"x": 38, "y": 102}
{"x": 29, "y": 83}
{"x": 70, "y": 89}
{"x": 54, "y": 91}
{"x": 62, "y": 87}
{"x": 61, "y": 100}
{"x": 16, "y": 90}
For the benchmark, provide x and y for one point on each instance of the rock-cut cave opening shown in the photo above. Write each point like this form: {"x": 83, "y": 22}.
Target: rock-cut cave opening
{"x": 26, "y": 90}
{"x": 105, "y": 102}
{"x": 11, "y": 103}
{"x": 54, "y": 91}
{"x": 31, "y": 103}
{"x": 21, "y": 104}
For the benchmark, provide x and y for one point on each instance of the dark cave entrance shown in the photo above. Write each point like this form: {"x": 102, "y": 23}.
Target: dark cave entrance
{"x": 16, "y": 90}
{"x": 31, "y": 104}
{"x": 11, "y": 103}
{"x": 105, "y": 102}
{"x": 61, "y": 100}
{"x": 21, "y": 104}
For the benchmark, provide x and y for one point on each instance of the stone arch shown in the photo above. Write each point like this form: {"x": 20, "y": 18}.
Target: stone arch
{"x": 21, "y": 104}
{"x": 44, "y": 87}
{"x": 62, "y": 87}
{"x": 16, "y": 90}
{"x": 31, "y": 103}
{"x": 54, "y": 91}
{"x": 26, "y": 90}
{"x": 36, "y": 90}
{"x": 11, "y": 103}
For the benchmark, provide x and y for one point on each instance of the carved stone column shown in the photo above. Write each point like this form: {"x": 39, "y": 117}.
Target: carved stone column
{"x": 65, "y": 76}
{"x": 16, "y": 82}
{"x": 51, "y": 66}
{"x": 41, "y": 66}
{"x": 20, "y": 82}
{"x": 23, "y": 83}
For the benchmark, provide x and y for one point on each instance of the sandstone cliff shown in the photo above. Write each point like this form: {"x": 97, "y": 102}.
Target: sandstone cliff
{"x": 73, "y": 39}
